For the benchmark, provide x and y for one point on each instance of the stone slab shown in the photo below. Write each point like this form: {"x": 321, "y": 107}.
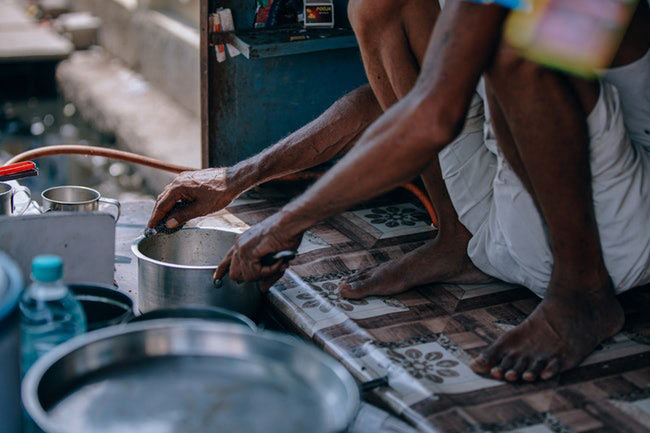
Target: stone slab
{"x": 31, "y": 43}
{"x": 143, "y": 119}
{"x": 13, "y": 14}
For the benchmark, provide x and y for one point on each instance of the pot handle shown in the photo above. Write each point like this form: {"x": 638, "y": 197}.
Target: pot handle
{"x": 267, "y": 260}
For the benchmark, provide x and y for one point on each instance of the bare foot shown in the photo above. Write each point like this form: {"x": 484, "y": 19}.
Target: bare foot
{"x": 439, "y": 260}
{"x": 561, "y": 332}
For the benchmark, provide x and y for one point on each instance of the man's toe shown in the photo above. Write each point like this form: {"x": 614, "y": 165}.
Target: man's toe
{"x": 353, "y": 290}
{"x": 534, "y": 369}
{"x": 506, "y": 363}
{"x": 517, "y": 370}
{"x": 485, "y": 361}
{"x": 551, "y": 369}
{"x": 480, "y": 364}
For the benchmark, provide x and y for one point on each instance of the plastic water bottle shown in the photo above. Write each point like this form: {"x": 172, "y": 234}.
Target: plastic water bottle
{"x": 49, "y": 313}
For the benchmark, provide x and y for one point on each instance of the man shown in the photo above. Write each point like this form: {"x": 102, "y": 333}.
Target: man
{"x": 418, "y": 109}
{"x": 393, "y": 38}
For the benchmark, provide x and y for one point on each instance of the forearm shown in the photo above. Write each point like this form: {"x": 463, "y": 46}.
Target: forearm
{"x": 327, "y": 136}
{"x": 407, "y": 138}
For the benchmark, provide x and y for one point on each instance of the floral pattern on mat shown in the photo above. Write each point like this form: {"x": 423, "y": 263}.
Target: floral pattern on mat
{"x": 429, "y": 366}
{"x": 393, "y": 216}
{"x": 329, "y": 297}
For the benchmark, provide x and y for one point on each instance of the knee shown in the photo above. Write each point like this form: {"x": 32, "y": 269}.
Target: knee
{"x": 368, "y": 16}
{"x": 509, "y": 68}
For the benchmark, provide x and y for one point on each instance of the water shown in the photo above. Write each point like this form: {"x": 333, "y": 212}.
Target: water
{"x": 33, "y": 122}
{"x": 50, "y": 315}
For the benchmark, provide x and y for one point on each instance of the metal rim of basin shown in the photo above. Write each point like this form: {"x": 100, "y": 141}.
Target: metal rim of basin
{"x": 245, "y": 321}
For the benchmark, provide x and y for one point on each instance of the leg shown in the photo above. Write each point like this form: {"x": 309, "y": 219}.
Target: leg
{"x": 443, "y": 259}
{"x": 393, "y": 37}
{"x": 546, "y": 124}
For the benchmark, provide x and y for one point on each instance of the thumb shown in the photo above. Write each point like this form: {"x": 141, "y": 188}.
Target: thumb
{"x": 267, "y": 282}
{"x": 222, "y": 269}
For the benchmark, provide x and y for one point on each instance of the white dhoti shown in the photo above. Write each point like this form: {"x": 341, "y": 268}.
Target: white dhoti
{"x": 510, "y": 240}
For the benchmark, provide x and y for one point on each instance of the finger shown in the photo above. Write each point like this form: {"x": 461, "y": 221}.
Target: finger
{"x": 516, "y": 371}
{"x": 223, "y": 266}
{"x": 267, "y": 282}
{"x": 255, "y": 271}
{"x": 532, "y": 373}
{"x": 164, "y": 203}
{"x": 180, "y": 215}
{"x": 235, "y": 271}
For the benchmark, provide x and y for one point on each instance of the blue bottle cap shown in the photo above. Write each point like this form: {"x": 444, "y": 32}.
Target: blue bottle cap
{"x": 47, "y": 269}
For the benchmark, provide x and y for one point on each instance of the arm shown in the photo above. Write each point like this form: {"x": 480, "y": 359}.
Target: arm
{"x": 329, "y": 135}
{"x": 396, "y": 148}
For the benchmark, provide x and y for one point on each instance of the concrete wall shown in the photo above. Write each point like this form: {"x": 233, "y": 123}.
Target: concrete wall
{"x": 162, "y": 44}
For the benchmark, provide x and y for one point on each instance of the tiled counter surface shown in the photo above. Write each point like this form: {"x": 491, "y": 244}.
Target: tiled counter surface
{"x": 423, "y": 340}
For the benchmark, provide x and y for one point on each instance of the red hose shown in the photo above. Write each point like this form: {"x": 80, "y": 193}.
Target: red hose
{"x": 72, "y": 149}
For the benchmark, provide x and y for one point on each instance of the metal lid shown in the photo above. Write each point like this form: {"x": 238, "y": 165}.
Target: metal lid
{"x": 11, "y": 284}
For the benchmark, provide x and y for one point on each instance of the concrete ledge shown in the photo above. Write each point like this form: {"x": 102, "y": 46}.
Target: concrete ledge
{"x": 169, "y": 57}
{"x": 143, "y": 119}
{"x": 163, "y": 47}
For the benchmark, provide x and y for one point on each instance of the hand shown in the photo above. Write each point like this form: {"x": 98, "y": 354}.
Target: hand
{"x": 193, "y": 194}
{"x": 244, "y": 258}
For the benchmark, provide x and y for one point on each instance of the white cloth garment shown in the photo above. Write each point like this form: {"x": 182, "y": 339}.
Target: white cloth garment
{"x": 633, "y": 84}
{"x": 510, "y": 240}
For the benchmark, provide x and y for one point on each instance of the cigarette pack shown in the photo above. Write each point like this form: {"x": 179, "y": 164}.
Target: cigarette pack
{"x": 319, "y": 14}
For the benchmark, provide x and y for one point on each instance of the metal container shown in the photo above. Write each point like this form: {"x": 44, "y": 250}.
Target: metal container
{"x": 11, "y": 285}
{"x": 204, "y": 313}
{"x": 7, "y": 194}
{"x": 103, "y": 305}
{"x": 72, "y": 198}
{"x": 175, "y": 270}
{"x": 188, "y": 376}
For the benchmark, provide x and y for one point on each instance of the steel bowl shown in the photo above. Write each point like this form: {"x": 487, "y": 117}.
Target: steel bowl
{"x": 203, "y": 313}
{"x": 103, "y": 305}
{"x": 175, "y": 270}
{"x": 11, "y": 287}
{"x": 188, "y": 376}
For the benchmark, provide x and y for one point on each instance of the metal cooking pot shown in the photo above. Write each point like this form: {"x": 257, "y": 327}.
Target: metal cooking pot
{"x": 204, "y": 313}
{"x": 175, "y": 270}
{"x": 11, "y": 285}
{"x": 188, "y": 376}
{"x": 103, "y": 305}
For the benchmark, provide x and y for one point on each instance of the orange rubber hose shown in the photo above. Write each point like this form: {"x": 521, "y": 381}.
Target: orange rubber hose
{"x": 74, "y": 149}
{"x": 413, "y": 189}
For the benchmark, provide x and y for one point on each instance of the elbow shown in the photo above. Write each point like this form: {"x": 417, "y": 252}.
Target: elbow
{"x": 439, "y": 125}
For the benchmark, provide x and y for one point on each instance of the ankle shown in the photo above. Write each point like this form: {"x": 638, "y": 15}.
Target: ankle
{"x": 592, "y": 286}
